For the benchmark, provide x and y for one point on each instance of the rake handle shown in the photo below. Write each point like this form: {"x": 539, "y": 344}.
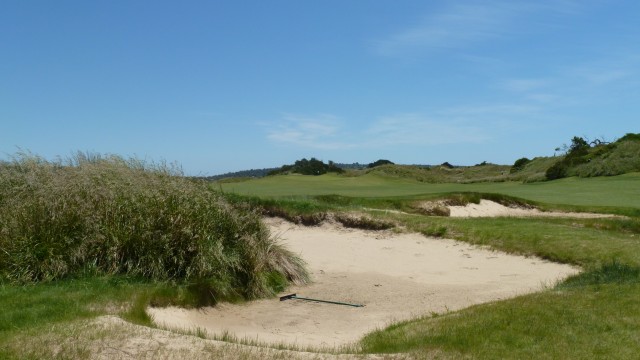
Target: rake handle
{"x": 294, "y": 296}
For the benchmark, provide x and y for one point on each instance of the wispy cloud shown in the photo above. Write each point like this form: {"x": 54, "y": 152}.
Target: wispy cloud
{"x": 604, "y": 75}
{"x": 524, "y": 85}
{"x": 418, "y": 129}
{"x": 457, "y": 26}
{"x": 465, "y": 24}
{"x": 576, "y": 83}
{"x": 317, "y": 132}
{"x": 461, "y": 125}
{"x": 539, "y": 90}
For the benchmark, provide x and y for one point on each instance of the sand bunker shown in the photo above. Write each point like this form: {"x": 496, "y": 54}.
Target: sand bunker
{"x": 488, "y": 208}
{"x": 395, "y": 276}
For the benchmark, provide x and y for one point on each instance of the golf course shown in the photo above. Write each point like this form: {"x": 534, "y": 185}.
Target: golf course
{"x": 319, "y": 180}
{"x": 475, "y": 269}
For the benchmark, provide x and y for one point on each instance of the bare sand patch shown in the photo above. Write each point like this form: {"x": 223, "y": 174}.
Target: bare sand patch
{"x": 109, "y": 337}
{"x": 396, "y": 277}
{"x": 488, "y": 208}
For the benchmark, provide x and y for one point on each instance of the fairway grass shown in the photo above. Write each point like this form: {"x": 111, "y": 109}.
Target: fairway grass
{"x": 621, "y": 191}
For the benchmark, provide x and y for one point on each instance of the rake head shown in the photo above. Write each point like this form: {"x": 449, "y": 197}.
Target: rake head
{"x": 287, "y": 297}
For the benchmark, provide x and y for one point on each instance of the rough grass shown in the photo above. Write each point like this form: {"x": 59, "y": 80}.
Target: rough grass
{"x": 110, "y": 216}
{"x": 583, "y": 242}
{"x": 619, "y": 158}
{"x": 441, "y": 174}
{"x": 592, "y": 315}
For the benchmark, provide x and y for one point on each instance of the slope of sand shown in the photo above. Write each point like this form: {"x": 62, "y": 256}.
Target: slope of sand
{"x": 396, "y": 277}
{"x": 488, "y": 208}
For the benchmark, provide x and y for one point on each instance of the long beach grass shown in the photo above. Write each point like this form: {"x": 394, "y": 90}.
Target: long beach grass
{"x": 107, "y": 215}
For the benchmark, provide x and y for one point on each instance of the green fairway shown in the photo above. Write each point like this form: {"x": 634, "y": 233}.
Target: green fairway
{"x": 616, "y": 191}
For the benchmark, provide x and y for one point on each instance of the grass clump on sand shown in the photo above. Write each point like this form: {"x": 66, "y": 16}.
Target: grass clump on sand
{"x": 95, "y": 215}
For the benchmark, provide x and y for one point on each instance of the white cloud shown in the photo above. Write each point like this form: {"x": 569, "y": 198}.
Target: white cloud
{"x": 488, "y": 111}
{"x": 577, "y": 84}
{"x": 417, "y": 129}
{"x": 467, "y": 23}
{"x": 325, "y": 132}
{"x": 604, "y": 76}
{"x": 457, "y": 26}
{"x": 316, "y": 132}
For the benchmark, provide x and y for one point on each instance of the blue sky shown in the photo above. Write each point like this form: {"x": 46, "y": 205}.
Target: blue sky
{"x": 220, "y": 86}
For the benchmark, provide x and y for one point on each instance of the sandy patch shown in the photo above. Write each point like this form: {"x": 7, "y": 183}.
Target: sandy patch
{"x": 488, "y": 208}
{"x": 109, "y": 337}
{"x": 396, "y": 277}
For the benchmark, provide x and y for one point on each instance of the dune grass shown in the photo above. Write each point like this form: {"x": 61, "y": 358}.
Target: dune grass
{"x": 111, "y": 216}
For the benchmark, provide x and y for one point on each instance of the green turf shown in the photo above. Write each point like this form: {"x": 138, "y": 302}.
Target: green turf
{"x": 614, "y": 191}
{"x": 592, "y": 322}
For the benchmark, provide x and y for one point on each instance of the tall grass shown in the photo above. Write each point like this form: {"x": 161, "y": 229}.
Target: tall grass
{"x": 107, "y": 215}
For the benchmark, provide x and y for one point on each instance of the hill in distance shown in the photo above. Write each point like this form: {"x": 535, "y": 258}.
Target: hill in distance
{"x": 581, "y": 158}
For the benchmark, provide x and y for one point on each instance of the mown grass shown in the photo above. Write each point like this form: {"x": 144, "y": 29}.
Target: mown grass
{"x": 615, "y": 193}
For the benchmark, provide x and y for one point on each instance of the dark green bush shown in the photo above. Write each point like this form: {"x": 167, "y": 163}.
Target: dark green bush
{"x": 519, "y": 164}
{"x": 379, "y": 163}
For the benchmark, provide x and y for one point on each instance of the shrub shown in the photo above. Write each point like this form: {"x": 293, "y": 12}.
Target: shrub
{"x": 557, "y": 171}
{"x": 109, "y": 215}
{"x": 519, "y": 165}
{"x": 362, "y": 222}
{"x": 379, "y": 162}
{"x": 308, "y": 167}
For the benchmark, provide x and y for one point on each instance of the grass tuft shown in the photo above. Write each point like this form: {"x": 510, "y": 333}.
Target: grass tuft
{"x": 613, "y": 272}
{"x": 362, "y": 222}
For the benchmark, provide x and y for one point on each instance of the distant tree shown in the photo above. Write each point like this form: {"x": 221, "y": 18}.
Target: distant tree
{"x": 519, "y": 164}
{"x": 312, "y": 166}
{"x": 576, "y": 153}
{"x": 578, "y": 145}
{"x": 379, "y": 163}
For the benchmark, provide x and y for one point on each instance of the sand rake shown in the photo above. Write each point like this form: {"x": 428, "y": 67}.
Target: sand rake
{"x": 294, "y": 296}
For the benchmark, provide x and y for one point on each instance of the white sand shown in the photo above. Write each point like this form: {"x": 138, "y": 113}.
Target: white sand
{"x": 395, "y": 276}
{"x": 488, "y": 208}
